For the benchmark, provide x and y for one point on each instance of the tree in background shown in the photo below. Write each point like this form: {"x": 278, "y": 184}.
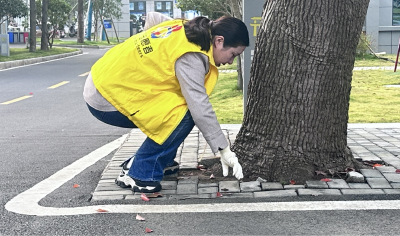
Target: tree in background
{"x": 44, "y": 44}
{"x": 81, "y": 24}
{"x": 32, "y": 22}
{"x": 298, "y": 99}
{"x": 12, "y": 8}
{"x": 105, "y": 9}
{"x": 57, "y": 16}
{"x": 213, "y": 8}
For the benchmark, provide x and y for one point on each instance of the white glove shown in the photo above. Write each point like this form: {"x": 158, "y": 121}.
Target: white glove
{"x": 229, "y": 159}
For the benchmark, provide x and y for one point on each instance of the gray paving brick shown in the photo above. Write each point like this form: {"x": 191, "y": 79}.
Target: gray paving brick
{"x": 108, "y": 197}
{"x": 237, "y": 195}
{"x": 371, "y": 173}
{"x": 205, "y": 185}
{"x": 190, "y": 180}
{"x": 392, "y": 191}
{"x": 294, "y": 186}
{"x": 371, "y": 157}
{"x": 378, "y": 183}
{"x": 392, "y": 177}
{"x": 316, "y": 184}
{"x": 386, "y": 169}
{"x": 318, "y": 192}
{"x": 168, "y": 191}
{"x": 167, "y": 185}
{"x": 361, "y": 191}
{"x": 395, "y": 185}
{"x": 251, "y": 186}
{"x": 271, "y": 186}
{"x": 138, "y": 197}
{"x": 186, "y": 189}
{"x": 109, "y": 193}
{"x": 111, "y": 187}
{"x": 207, "y": 190}
{"x": 193, "y": 196}
{"x": 229, "y": 187}
{"x": 358, "y": 185}
{"x": 338, "y": 183}
{"x": 276, "y": 193}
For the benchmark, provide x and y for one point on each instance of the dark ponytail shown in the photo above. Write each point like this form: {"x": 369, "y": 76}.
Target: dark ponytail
{"x": 201, "y": 31}
{"x": 198, "y": 32}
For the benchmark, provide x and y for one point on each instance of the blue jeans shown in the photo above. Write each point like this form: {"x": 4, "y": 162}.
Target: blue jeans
{"x": 151, "y": 158}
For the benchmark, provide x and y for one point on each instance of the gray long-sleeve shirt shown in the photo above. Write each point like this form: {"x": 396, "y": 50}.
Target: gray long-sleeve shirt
{"x": 190, "y": 69}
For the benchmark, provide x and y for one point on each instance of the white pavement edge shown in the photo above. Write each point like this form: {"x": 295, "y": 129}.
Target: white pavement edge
{"x": 27, "y": 202}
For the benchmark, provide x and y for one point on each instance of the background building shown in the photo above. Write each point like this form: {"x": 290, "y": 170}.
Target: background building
{"x": 382, "y": 25}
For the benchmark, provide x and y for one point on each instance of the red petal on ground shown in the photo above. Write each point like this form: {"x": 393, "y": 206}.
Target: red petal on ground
{"x": 375, "y": 165}
{"x": 326, "y": 180}
{"x": 147, "y": 230}
{"x": 144, "y": 197}
{"x": 76, "y": 186}
{"x": 219, "y": 194}
{"x": 101, "y": 210}
{"x": 292, "y": 182}
{"x": 398, "y": 171}
{"x": 138, "y": 217}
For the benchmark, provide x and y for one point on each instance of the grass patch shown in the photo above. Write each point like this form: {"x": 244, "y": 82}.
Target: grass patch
{"x": 23, "y": 53}
{"x": 227, "y": 100}
{"x": 371, "y": 101}
{"x": 371, "y": 61}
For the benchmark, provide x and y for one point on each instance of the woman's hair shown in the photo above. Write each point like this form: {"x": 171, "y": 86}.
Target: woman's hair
{"x": 201, "y": 31}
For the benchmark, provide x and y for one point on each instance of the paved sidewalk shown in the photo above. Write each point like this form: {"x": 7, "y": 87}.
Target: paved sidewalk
{"x": 378, "y": 143}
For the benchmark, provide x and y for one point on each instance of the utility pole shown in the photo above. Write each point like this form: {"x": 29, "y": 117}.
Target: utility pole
{"x": 89, "y": 21}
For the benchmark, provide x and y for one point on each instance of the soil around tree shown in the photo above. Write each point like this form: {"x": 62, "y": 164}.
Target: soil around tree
{"x": 210, "y": 171}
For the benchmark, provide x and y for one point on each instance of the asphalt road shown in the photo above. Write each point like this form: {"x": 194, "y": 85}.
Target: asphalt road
{"x": 52, "y": 128}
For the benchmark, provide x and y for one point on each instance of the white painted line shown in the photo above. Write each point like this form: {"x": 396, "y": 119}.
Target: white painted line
{"x": 43, "y": 62}
{"x": 27, "y": 202}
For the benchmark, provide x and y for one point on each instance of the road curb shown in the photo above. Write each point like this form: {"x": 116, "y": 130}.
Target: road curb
{"x": 16, "y": 63}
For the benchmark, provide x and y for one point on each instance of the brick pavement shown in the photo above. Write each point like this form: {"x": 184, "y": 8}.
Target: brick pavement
{"x": 369, "y": 142}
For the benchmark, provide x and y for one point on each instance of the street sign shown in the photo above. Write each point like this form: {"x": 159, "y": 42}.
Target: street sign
{"x": 252, "y": 11}
{"x": 107, "y": 24}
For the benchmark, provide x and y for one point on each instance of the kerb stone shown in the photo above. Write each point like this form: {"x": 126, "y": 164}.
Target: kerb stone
{"x": 186, "y": 189}
{"x": 316, "y": 184}
{"x": 229, "y": 187}
{"x": 271, "y": 186}
{"x": 337, "y": 183}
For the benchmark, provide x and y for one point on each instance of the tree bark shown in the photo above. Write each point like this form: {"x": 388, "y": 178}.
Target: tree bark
{"x": 32, "y": 23}
{"x": 298, "y": 98}
{"x": 81, "y": 24}
{"x": 44, "y": 45}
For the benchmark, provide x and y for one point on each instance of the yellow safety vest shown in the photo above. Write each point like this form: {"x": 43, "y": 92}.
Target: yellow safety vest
{"x": 138, "y": 78}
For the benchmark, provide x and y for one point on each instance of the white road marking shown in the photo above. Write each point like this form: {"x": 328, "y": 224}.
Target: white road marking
{"x": 27, "y": 202}
{"x": 44, "y": 61}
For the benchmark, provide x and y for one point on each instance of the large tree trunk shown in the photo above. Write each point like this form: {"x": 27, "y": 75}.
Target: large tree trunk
{"x": 81, "y": 24}
{"x": 298, "y": 99}
{"x": 44, "y": 45}
{"x": 32, "y": 23}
